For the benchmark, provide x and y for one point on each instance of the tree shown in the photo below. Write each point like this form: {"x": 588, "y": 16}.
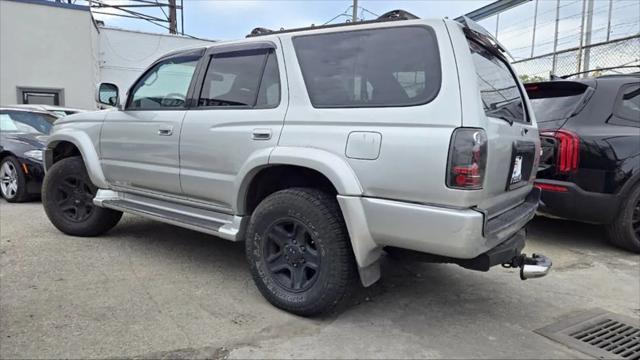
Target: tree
{"x": 527, "y": 79}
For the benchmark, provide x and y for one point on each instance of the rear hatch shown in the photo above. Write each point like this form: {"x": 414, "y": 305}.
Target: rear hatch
{"x": 554, "y": 103}
{"x": 512, "y": 136}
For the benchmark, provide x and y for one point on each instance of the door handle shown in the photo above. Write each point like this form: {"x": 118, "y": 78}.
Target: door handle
{"x": 261, "y": 134}
{"x": 165, "y": 131}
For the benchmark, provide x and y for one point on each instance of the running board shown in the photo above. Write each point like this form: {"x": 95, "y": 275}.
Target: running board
{"x": 222, "y": 225}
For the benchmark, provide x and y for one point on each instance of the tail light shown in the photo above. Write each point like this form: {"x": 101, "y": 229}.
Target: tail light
{"x": 568, "y": 150}
{"x": 467, "y": 159}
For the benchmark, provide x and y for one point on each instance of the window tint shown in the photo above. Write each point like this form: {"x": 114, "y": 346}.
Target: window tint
{"x": 628, "y": 105}
{"x": 165, "y": 86}
{"x": 499, "y": 90}
{"x": 246, "y": 79}
{"x": 26, "y": 122}
{"x": 368, "y": 68}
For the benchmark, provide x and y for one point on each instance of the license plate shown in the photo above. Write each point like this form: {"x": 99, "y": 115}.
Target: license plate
{"x": 516, "y": 175}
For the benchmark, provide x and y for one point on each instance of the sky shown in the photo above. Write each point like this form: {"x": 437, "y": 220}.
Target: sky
{"x": 233, "y": 19}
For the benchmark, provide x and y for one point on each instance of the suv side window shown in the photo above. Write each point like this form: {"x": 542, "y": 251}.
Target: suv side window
{"x": 499, "y": 90}
{"x": 397, "y": 66}
{"x": 628, "y": 103}
{"x": 164, "y": 86}
{"x": 246, "y": 79}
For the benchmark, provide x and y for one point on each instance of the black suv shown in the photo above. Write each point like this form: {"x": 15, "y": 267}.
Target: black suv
{"x": 590, "y": 162}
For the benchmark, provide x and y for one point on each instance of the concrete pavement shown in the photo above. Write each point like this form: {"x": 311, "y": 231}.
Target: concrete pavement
{"x": 149, "y": 290}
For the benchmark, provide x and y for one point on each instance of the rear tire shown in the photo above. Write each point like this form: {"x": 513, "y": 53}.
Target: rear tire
{"x": 13, "y": 182}
{"x": 299, "y": 252}
{"x": 67, "y": 196}
{"x": 624, "y": 232}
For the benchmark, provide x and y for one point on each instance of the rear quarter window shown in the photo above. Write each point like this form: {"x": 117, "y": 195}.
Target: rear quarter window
{"x": 628, "y": 103}
{"x": 398, "y": 66}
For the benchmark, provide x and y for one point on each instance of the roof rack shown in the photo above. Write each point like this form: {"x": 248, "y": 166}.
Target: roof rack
{"x": 394, "y": 15}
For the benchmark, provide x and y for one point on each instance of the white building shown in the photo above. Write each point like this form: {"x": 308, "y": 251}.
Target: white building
{"x": 55, "y": 53}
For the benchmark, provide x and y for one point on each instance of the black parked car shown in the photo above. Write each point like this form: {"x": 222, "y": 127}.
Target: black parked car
{"x": 23, "y": 134}
{"x": 590, "y": 163}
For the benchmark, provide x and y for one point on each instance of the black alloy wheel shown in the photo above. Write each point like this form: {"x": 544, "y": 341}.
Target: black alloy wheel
{"x": 291, "y": 255}
{"x": 74, "y": 197}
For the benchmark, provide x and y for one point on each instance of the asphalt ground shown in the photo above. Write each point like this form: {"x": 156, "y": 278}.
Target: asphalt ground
{"x": 150, "y": 290}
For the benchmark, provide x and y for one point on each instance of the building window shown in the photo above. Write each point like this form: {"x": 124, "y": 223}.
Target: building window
{"x": 41, "y": 96}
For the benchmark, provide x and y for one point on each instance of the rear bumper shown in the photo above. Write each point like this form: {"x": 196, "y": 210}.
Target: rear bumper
{"x": 454, "y": 233}
{"x": 574, "y": 203}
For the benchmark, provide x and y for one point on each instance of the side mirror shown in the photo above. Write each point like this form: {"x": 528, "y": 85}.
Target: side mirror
{"x": 108, "y": 94}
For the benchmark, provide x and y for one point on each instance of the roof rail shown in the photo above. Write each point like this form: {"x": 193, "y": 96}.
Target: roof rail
{"x": 394, "y": 15}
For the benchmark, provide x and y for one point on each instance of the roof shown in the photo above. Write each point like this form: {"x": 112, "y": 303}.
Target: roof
{"x": 54, "y": 4}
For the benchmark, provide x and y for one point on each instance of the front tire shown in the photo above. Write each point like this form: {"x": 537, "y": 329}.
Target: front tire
{"x": 624, "y": 232}
{"x": 67, "y": 196}
{"x": 13, "y": 182}
{"x": 299, "y": 252}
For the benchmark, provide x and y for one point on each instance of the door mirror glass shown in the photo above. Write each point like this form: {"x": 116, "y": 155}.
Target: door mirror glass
{"x": 107, "y": 94}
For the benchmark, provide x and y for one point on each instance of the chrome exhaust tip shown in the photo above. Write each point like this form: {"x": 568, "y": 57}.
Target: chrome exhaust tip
{"x": 535, "y": 266}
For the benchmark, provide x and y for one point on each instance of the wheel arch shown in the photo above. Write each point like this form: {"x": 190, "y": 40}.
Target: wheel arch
{"x": 73, "y": 143}
{"x": 308, "y": 166}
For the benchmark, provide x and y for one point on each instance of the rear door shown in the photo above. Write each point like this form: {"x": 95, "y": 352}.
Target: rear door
{"x": 139, "y": 145}
{"x": 241, "y": 104}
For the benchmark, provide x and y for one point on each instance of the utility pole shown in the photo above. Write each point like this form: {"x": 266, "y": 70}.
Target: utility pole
{"x": 587, "y": 41}
{"x": 535, "y": 21}
{"x": 354, "y": 16}
{"x": 182, "y": 15}
{"x": 579, "y": 59}
{"x": 555, "y": 39}
{"x": 173, "y": 26}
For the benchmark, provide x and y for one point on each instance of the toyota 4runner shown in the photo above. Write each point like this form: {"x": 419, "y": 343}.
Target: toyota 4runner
{"x": 320, "y": 148}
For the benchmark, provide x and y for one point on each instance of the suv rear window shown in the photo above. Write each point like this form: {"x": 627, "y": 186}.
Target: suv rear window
{"x": 370, "y": 68}
{"x": 501, "y": 97}
{"x": 555, "y": 100}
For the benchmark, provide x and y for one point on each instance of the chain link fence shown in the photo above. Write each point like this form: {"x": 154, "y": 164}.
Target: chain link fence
{"x": 596, "y": 58}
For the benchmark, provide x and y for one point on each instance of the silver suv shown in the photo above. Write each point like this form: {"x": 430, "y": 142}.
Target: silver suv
{"x": 320, "y": 148}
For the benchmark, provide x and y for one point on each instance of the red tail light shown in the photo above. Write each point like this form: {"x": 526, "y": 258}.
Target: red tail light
{"x": 467, "y": 159}
{"x": 551, "y": 187}
{"x": 568, "y": 150}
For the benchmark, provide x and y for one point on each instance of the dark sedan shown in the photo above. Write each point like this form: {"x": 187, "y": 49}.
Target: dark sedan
{"x": 590, "y": 164}
{"x": 23, "y": 134}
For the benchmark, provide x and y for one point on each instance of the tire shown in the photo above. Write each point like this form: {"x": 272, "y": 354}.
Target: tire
{"x": 624, "y": 232}
{"x": 13, "y": 182}
{"x": 67, "y": 196}
{"x": 305, "y": 226}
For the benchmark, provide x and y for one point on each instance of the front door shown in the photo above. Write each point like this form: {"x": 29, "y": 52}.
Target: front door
{"x": 240, "y": 112}
{"x": 139, "y": 145}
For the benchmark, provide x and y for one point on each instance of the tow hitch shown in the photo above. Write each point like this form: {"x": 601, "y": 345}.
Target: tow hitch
{"x": 530, "y": 267}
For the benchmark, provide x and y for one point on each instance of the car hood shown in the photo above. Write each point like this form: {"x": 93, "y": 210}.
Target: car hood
{"x": 37, "y": 141}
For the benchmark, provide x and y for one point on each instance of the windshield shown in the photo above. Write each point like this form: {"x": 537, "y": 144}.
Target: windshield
{"x": 26, "y": 122}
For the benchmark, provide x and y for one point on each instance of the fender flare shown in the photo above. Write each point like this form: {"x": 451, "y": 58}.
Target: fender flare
{"x": 87, "y": 150}
{"x": 335, "y": 168}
